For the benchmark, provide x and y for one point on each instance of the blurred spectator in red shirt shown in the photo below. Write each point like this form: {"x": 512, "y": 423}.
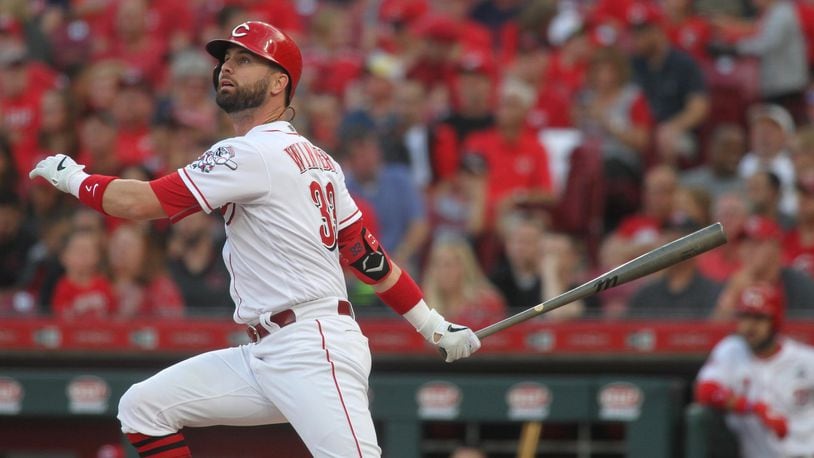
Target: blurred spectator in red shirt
{"x": 687, "y": 30}
{"x": 83, "y": 292}
{"x": 434, "y": 65}
{"x": 572, "y": 48}
{"x": 139, "y": 276}
{"x": 22, "y": 83}
{"x": 637, "y": 234}
{"x": 473, "y": 111}
{"x": 57, "y": 133}
{"x": 331, "y": 62}
{"x": 455, "y": 284}
{"x": 798, "y": 244}
{"x": 612, "y": 11}
{"x": 673, "y": 84}
{"x": 614, "y": 118}
{"x": 719, "y": 175}
{"x": 140, "y": 50}
{"x": 97, "y": 86}
{"x": 529, "y": 62}
{"x": 516, "y": 163}
{"x": 395, "y": 31}
{"x": 133, "y": 109}
{"x": 98, "y": 147}
{"x": 640, "y": 232}
{"x": 473, "y": 34}
{"x": 732, "y": 211}
{"x": 761, "y": 256}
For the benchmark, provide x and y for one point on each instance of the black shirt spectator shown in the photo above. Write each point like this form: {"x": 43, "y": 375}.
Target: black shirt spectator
{"x": 669, "y": 86}
{"x": 696, "y": 299}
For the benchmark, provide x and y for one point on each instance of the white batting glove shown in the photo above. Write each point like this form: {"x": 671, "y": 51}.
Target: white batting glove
{"x": 455, "y": 341}
{"x": 61, "y": 171}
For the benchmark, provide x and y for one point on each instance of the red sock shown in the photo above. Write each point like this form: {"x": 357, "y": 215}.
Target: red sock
{"x": 170, "y": 446}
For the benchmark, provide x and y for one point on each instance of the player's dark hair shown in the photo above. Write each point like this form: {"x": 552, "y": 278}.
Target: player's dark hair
{"x": 279, "y": 68}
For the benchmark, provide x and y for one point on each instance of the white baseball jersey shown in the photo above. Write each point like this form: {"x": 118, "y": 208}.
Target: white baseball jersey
{"x": 284, "y": 202}
{"x": 783, "y": 381}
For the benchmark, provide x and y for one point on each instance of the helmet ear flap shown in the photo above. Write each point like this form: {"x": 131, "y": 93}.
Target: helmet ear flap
{"x": 216, "y": 76}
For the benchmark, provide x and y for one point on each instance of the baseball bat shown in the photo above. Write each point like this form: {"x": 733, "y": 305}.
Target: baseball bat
{"x": 666, "y": 255}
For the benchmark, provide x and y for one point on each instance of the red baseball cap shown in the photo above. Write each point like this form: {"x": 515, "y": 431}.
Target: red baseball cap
{"x": 762, "y": 228}
{"x": 476, "y": 61}
{"x": 403, "y": 11}
{"x": 762, "y": 299}
{"x": 439, "y": 28}
{"x": 641, "y": 14}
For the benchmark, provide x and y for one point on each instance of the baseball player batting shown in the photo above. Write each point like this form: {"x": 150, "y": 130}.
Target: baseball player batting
{"x": 291, "y": 226}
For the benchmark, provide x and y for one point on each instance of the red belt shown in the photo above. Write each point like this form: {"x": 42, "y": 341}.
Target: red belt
{"x": 286, "y": 317}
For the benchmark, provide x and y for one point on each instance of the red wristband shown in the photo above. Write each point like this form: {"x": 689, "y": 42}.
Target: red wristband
{"x": 403, "y": 295}
{"x": 93, "y": 189}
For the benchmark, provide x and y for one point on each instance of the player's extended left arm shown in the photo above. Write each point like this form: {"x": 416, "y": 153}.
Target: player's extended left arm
{"x": 122, "y": 198}
{"x": 367, "y": 259}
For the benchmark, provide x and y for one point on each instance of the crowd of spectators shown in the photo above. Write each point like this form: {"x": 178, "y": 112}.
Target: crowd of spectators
{"x": 504, "y": 150}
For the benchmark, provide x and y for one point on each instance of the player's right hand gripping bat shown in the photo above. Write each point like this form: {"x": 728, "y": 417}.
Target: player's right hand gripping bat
{"x": 664, "y": 256}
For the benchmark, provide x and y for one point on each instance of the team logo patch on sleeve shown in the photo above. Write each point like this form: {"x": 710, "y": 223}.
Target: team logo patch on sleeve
{"x": 207, "y": 161}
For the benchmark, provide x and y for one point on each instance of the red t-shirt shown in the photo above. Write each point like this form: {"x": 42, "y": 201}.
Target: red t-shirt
{"x": 805, "y": 14}
{"x": 715, "y": 264}
{"x": 553, "y": 110}
{"x": 159, "y": 298}
{"x": 21, "y": 115}
{"x": 92, "y": 300}
{"x": 691, "y": 35}
{"x": 333, "y": 72}
{"x": 487, "y": 309}
{"x": 134, "y": 146}
{"x": 513, "y": 166}
{"x": 148, "y": 59}
{"x": 639, "y": 229}
{"x": 565, "y": 77}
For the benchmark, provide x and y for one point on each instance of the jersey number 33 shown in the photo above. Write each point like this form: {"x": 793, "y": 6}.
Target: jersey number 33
{"x": 325, "y": 200}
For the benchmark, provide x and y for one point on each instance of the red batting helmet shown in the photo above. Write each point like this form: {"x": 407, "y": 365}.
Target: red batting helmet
{"x": 762, "y": 299}
{"x": 266, "y": 41}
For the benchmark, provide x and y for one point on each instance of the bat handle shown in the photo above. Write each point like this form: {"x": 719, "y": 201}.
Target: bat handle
{"x": 443, "y": 353}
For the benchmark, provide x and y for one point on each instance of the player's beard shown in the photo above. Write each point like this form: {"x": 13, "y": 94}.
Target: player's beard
{"x": 243, "y": 98}
{"x": 764, "y": 345}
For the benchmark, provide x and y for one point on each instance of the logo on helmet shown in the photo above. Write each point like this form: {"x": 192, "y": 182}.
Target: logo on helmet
{"x": 241, "y": 30}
